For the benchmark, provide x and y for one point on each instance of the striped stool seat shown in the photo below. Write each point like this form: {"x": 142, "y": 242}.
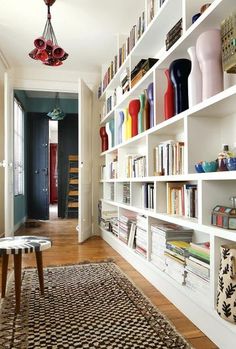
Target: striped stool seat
{"x": 16, "y": 246}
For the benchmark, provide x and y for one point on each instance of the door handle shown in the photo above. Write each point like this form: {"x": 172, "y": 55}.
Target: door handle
{"x": 45, "y": 171}
{"x": 36, "y": 171}
{"x": 3, "y": 163}
{"x": 45, "y": 190}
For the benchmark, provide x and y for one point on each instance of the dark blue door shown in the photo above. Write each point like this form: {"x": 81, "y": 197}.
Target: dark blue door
{"x": 37, "y": 169}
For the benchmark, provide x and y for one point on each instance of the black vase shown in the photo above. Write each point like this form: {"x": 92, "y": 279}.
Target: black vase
{"x": 179, "y": 72}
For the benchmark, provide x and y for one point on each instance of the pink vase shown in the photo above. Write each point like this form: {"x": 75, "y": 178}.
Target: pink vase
{"x": 208, "y": 50}
{"x": 169, "y": 98}
{"x": 134, "y": 107}
{"x": 194, "y": 79}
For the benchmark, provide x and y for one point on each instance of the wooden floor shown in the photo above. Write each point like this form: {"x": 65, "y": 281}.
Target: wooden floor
{"x": 66, "y": 250}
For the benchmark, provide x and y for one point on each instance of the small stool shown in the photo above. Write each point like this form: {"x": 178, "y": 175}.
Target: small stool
{"x": 18, "y": 245}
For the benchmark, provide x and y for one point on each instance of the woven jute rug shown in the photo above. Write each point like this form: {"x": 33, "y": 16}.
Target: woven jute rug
{"x": 87, "y": 306}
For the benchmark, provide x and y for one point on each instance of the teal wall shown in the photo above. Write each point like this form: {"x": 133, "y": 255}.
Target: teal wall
{"x": 37, "y": 105}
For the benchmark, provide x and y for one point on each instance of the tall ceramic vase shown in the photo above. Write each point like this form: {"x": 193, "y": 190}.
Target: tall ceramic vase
{"x": 208, "y": 50}
{"x": 150, "y": 95}
{"x": 104, "y": 138}
{"x": 179, "y": 72}
{"x": 134, "y": 107}
{"x": 112, "y": 130}
{"x": 169, "y": 98}
{"x": 108, "y": 131}
{"x": 146, "y": 112}
{"x": 226, "y": 291}
{"x": 120, "y": 122}
{"x": 194, "y": 79}
{"x": 141, "y": 113}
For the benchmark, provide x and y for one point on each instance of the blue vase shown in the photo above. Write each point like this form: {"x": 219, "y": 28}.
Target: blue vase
{"x": 179, "y": 72}
{"x": 112, "y": 130}
{"x": 142, "y": 99}
{"x": 150, "y": 95}
{"x": 120, "y": 122}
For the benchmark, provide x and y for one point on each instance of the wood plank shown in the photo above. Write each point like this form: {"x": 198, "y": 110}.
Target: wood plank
{"x": 73, "y": 193}
{"x": 73, "y": 204}
{"x": 74, "y": 181}
{"x": 73, "y": 158}
{"x": 66, "y": 250}
{"x": 73, "y": 170}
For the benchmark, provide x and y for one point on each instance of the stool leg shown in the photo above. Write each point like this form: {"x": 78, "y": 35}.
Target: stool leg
{"x": 5, "y": 258}
{"x": 17, "y": 272}
{"x": 39, "y": 260}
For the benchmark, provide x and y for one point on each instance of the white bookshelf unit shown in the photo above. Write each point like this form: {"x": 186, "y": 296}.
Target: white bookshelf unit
{"x": 203, "y": 129}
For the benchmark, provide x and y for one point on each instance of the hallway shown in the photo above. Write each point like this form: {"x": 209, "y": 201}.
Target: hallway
{"x": 65, "y": 250}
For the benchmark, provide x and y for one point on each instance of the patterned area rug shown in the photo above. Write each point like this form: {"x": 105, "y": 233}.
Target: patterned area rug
{"x": 86, "y": 306}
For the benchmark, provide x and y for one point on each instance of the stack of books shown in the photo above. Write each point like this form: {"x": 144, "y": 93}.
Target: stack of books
{"x": 198, "y": 267}
{"x": 114, "y": 228}
{"x": 125, "y": 226}
{"x": 141, "y": 237}
{"x": 161, "y": 234}
{"x": 126, "y": 193}
{"x": 182, "y": 199}
{"x": 147, "y": 199}
{"x": 176, "y": 253}
{"x": 135, "y": 166}
{"x": 169, "y": 158}
{"x": 125, "y": 81}
{"x": 106, "y": 218}
{"x": 174, "y": 34}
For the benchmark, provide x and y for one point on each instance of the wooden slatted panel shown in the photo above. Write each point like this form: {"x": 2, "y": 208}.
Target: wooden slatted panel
{"x": 73, "y": 193}
{"x": 73, "y": 158}
{"x": 74, "y": 170}
{"x": 73, "y": 204}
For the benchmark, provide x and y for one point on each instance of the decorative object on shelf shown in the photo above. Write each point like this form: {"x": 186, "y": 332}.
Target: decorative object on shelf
{"x": 104, "y": 138}
{"x": 210, "y": 62}
{"x": 224, "y": 216}
{"x": 112, "y": 130}
{"x": 150, "y": 95}
{"x": 169, "y": 97}
{"x": 199, "y": 168}
{"x": 228, "y": 39}
{"x": 210, "y": 166}
{"x": 108, "y": 131}
{"x": 141, "y": 113}
{"x": 146, "y": 113}
{"x": 174, "y": 34}
{"x": 57, "y": 113}
{"x": 127, "y": 125}
{"x": 134, "y": 107}
{"x": 179, "y": 72}
{"x": 222, "y": 156}
{"x": 120, "y": 122}
{"x": 195, "y": 17}
{"x": 231, "y": 164}
{"x": 194, "y": 79}
{"x": 46, "y": 46}
{"x": 204, "y": 7}
{"x": 226, "y": 291}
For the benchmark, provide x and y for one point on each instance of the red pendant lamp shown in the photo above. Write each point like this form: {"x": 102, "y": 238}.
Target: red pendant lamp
{"x": 46, "y": 48}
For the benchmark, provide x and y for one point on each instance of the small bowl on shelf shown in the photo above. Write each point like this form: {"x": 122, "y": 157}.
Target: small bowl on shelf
{"x": 210, "y": 166}
{"x": 198, "y": 167}
{"x": 231, "y": 164}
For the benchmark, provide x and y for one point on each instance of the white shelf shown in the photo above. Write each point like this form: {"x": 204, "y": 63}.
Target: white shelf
{"x": 203, "y": 128}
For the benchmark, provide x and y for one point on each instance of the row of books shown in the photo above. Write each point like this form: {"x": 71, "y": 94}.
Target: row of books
{"x": 182, "y": 199}
{"x": 174, "y": 252}
{"x": 110, "y": 170}
{"x": 147, "y": 198}
{"x": 126, "y": 193}
{"x": 169, "y": 158}
{"x": 141, "y": 238}
{"x": 135, "y": 166}
{"x": 108, "y": 220}
{"x": 125, "y": 223}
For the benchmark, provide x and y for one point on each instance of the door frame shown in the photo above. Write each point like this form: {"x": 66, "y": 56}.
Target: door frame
{"x": 46, "y": 86}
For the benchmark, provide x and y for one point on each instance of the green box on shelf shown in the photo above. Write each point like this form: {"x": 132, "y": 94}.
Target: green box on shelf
{"x": 224, "y": 217}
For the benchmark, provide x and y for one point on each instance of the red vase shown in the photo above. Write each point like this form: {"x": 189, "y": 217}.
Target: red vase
{"x": 104, "y": 138}
{"x": 134, "y": 107}
{"x": 169, "y": 98}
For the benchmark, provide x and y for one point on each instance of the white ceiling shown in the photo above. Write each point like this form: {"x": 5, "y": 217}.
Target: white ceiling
{"x": 86, "y": 29}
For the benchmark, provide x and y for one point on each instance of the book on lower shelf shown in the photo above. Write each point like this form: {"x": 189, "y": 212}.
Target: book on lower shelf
{"x": 169, "y": 158}
{"x": 141, "y": 238}
{"x": 182, "y": 199}
{"x": 135, "y": 165}
{"x": 147, "y": 198}
{"x": 125, "y": 224}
